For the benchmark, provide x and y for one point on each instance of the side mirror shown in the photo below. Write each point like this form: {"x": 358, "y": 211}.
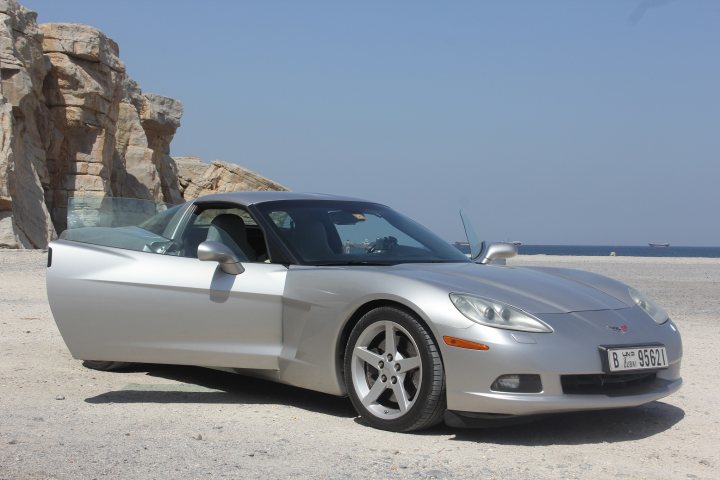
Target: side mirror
{"x": 497, "y": 251}
{"x": 210, "y": 251}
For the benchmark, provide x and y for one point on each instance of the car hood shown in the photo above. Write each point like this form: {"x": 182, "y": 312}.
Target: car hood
{"x": 533, "y": 291}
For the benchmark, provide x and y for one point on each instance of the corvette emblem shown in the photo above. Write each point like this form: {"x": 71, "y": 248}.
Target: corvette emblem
{"x": 622, "y": 328}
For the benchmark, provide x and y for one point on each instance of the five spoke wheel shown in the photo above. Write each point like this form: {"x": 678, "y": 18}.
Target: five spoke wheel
{"x": 386, "y": 369}
{"x": 393, "y": 371}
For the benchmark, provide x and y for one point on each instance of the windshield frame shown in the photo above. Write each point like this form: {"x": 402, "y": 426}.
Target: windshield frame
{"x": 442, "y": 251}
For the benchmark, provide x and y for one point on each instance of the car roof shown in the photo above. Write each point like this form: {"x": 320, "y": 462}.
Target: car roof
{"x": 252, "y": 198}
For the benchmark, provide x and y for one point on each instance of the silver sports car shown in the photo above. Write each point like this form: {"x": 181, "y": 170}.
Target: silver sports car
{"x": 349, "y": 297}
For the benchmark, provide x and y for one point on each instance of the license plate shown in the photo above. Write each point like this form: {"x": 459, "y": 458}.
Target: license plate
{"x": 636, "y": 358}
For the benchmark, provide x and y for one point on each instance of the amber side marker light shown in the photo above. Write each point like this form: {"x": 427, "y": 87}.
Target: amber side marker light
{"x": 460, "y": 343}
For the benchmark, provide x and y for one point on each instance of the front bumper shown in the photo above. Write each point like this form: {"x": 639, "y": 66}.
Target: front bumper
{"x": 542, "y": 403}
{"x": 529, "y": 411}
{"x": 572, "y": 349}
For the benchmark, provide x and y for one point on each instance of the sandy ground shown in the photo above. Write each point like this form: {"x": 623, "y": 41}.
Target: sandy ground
{"x": 60, "y": 420}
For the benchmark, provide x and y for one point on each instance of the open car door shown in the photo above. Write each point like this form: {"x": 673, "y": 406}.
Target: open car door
{"x": 140, "y": 301}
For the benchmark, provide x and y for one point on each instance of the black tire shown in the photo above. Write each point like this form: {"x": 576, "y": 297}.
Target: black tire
{"x": 105, "y": 366}
{"x": 425, "y": 384}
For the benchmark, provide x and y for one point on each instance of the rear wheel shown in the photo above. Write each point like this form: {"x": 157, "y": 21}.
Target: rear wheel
{"x": 105, "y": 365}
{"x": 393, "y": 372}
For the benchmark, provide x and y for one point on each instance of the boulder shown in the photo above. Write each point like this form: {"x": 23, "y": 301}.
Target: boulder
{"x": 197, "y": 178}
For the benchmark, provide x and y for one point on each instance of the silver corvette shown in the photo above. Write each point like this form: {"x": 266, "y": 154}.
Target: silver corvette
{"x": 352, "y": 298}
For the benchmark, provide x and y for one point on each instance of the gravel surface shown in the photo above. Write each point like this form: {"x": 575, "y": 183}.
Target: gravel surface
{"x": 60, "y": 420}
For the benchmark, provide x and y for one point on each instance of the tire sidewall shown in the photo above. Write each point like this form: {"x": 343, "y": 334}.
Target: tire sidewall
{"x": 420, "y": 334}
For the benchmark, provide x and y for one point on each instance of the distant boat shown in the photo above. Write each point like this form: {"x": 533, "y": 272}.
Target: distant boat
{"x": 659, "y": 245}
{"x": 516, "y": 243}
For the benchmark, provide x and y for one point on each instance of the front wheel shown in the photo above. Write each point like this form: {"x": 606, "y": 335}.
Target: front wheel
{"x": 393, "y": 372}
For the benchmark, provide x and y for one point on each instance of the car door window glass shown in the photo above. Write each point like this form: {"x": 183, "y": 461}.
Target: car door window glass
{"x": 126, "y": 223}
{"x": 233, "y": 227}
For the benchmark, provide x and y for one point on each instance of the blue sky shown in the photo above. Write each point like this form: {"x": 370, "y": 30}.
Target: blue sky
{"x": 554, "y": 122}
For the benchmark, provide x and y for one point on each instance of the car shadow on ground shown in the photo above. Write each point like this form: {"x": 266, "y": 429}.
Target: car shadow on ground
{"x": 203, "y": 385}
{"x": 577, "y": 428}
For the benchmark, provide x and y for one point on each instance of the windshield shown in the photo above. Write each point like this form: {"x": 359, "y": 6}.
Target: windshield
{"x": 349, "y": 233}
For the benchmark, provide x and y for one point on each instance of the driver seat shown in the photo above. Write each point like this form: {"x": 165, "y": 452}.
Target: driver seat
{"x": 230, "y": 230}
{"x": 311, "y": 241}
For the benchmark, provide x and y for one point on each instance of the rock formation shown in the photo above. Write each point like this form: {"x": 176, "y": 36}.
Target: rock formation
{"x": 74, "y": 124}
{"x": 197, "y": 178}
{"x": 24, "y": 217}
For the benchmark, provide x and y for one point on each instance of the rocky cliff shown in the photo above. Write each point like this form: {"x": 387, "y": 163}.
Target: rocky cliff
{"x": 74, "y": 124}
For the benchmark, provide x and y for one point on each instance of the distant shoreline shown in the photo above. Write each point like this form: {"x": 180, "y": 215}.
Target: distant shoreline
{"x": 582, "y": 262}
{"x": 620, "y": 251}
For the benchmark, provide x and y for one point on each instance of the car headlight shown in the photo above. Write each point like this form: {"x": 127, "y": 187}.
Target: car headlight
{"x": 655, "y": 311}
{"x": 497, "y": 314}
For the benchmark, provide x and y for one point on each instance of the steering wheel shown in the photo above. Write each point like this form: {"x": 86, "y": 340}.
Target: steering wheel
{"x": 384, "y": 244}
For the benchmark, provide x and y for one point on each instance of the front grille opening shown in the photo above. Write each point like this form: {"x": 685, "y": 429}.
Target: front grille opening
{"x": 605, "y": 384}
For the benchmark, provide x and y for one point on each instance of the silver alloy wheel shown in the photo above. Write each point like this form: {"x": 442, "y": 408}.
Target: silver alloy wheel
{"x": 386, "y": 370}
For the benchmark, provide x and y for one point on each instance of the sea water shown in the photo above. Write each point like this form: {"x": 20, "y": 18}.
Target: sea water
{"x": 620, "y": 250}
